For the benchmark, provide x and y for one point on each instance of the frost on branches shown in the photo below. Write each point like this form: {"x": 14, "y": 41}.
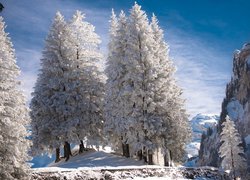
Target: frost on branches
{"x": 47, "y": 105}
{"x": 13, "y": 115}
{"x": 144, "y": 104}
{"x": 231, "y": 151}
{"x": 67, "y": 101}
{"x": 87, "y": 80}
{"x": 116, "y": 70}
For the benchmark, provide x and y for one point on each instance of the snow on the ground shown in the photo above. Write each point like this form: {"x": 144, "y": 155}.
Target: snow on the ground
{"x": 102, "y": 165}
{"x": 97, "y": 159}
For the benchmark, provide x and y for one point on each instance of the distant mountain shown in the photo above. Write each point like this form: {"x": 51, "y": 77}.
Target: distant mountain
{"x": 200, "y": 123}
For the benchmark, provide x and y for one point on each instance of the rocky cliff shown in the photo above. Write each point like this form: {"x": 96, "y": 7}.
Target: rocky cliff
{"x": 236, "y": 104}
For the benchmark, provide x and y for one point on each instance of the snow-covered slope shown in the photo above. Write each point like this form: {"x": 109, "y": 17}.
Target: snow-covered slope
{"x": 102, "y": 165}
{"x": 200, "y": 123}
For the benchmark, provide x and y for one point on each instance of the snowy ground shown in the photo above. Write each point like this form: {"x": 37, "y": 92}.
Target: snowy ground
{"x": 103, "y": 165}
{"x": 97, "y": 159}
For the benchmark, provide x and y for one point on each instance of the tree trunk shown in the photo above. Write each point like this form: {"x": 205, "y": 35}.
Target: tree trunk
{"x": 233, "y": 168}
{"x": 144, "y": 155}
{"x": 150, "y": 157}
{"x": 139, "y": 154}
{"x": 127, "y": 154}
{"x": 67, "y": 151}
{"x": 81, "y": 147}
{"x": 57, "y": 155}
{"x": 123, "y": 149}
{"x": 167, "y": 159}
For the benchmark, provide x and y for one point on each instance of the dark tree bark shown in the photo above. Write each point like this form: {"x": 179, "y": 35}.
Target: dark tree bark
{"x": 127, "y": 151}
{"x": 81, "y": 147}
{"x": 57, "y": 155}
{"x": 144, "y": 155}
{"x": 139, "y": 155}
{"x": 150, "y": 157}
{"x": 123, "y": 149}
{"x": 166, "y": 163}
{"x": 67, "y": 151}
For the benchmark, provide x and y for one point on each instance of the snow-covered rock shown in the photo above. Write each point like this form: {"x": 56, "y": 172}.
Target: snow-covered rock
{"x": 144, "y": 172}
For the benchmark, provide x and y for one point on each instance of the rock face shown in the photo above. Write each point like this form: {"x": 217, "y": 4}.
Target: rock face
{"x": 236, "y": 104}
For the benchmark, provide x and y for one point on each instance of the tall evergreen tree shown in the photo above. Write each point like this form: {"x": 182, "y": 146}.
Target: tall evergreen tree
{"x": 116, "y": 70}
{"x": 178, "y": 130}
{"x": 48, "y": 102}
{"x": 231, "y": 151}
{"x": 110, "y": 89}
{"x": 87, "y": 80}
{"x": 13, "y": 115}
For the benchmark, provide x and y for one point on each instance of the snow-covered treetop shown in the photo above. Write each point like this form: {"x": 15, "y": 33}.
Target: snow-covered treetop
{"x": 84, "y": 31}
{"x": 6, "y": 51}
{"x": 113, "y": 24}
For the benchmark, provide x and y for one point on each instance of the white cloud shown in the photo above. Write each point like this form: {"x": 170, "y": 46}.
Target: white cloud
{"x": 199, "y": 72}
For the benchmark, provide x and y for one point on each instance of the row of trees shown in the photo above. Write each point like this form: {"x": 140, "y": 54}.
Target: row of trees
{"x": 143, "y": 109}
{"x": 143, "y": 105}
{"x": 139, "y": 108}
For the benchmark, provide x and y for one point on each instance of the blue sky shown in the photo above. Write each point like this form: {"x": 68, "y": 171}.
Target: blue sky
{"x": 202, "y": 35}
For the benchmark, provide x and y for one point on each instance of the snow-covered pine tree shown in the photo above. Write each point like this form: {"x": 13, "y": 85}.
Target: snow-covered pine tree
{"x": 116, "y": 70}
{"x": 86, "y": 80}
{"x": 172, "y": 104}
{"x": 231, "y": 151}
{"x": 150, "y": 98}
{"x": 13, "y": 115}
{"x": 47, "y": 105}
{"x": 135, "y": 93}
{"x": 67, "y": 102}
{"x": 111, "y": 91}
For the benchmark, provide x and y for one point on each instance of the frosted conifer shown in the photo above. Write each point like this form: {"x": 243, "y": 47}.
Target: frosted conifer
{"x": 230, "y": 151}
{"x": 116, "y": 70}
{"x": 48, "y": 101}
{"x": 13, "y": 115}
{"x": 87, "y": 80}
{"x": 179, "y": 134}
